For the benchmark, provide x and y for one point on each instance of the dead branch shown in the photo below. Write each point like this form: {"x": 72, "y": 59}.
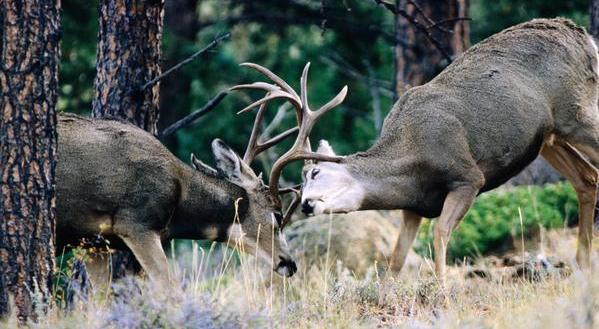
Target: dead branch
{"x": 347, "y": 69}
{"x": 447, "y": 21}
{"x": 416, "y": 23}
{"x": 192, "y": 117}
{"x": 186, "y": 61}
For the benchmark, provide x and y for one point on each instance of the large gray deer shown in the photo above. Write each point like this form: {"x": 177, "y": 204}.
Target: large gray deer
{"x": 119, "y": 181}
{"x": 529, "y": 89}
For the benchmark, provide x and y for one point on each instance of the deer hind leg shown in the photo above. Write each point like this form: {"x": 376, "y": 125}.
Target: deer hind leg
{"x": 584, "y": 135}
{"x": 407, "y": 232}
{"x": 584, "y": 177}
{"x": 455, "y": 207}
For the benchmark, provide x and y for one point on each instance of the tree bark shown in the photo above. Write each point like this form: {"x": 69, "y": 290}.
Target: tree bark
{"x": 29, "y": 56}
{"x": 129, "y": 40}
{"x": 594, "y": 12}
{"x": 417, "y": 60}
{"x": 594, "y": 30}
{"x": 128, "y": 56}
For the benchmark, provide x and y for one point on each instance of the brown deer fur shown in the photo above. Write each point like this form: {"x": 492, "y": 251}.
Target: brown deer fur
{"x": 529, "y": 89}
{"x": 118, "y": 180}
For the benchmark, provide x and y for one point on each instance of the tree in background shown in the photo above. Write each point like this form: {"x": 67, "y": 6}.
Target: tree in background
{"x": 594, "y": 18}
{"x": 29, "y": 35}
{"x": 421, "y": 53}
{"x": 348, "y": 42}
{"x": 128, "y": 56}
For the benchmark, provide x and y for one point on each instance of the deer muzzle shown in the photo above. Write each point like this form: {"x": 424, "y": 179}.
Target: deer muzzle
{"x": 286, "y": 267}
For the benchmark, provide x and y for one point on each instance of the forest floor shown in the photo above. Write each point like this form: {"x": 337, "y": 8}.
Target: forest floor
{"x": 220, "y": 289}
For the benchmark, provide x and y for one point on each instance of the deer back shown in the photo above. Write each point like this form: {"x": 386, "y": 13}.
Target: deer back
{"x": 496, "y": 103}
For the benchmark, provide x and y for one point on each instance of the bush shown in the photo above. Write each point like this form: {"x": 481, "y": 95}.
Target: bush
{"x": 495, "y": 219}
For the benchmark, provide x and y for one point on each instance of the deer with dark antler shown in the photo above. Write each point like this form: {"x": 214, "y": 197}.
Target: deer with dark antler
{"x": 119, "y": 181}
{"x": 527, "y": 90}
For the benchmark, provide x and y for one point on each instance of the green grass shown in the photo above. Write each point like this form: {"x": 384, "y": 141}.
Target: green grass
{"x": 493, "y": 223}
{"x": 220, "y": 288}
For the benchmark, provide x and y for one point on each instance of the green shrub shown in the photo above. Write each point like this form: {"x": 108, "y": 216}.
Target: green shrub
{"x": 498, "y": 217}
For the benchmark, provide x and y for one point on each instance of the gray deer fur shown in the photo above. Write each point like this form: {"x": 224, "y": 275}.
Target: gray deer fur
{"x": 118, "y": 180}
{"x": 529, "y": 89}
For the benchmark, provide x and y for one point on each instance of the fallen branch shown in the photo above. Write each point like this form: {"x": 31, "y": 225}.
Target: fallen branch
{"x": 192, "y": 117}
{"x": 186, "y": 61}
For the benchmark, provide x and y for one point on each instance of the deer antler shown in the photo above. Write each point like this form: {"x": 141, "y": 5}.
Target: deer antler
{"x": 273, "y": 92}
{"x": 306, "y": 119}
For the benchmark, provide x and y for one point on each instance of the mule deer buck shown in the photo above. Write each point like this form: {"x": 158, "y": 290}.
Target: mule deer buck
{"x": 119, "y": 181}
{"x": 529, "y": 89}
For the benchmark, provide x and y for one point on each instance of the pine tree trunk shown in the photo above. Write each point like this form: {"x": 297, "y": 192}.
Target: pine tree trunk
{"x": 417, "y": 60}
{"x": 129, "y": 40}
{"x": 594, "y": 11}
{"x": 29, "y": 56}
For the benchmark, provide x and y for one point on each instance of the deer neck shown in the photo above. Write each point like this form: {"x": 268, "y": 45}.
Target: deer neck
{"x": 385, "y": 179}
{"x": 207, "y": 207}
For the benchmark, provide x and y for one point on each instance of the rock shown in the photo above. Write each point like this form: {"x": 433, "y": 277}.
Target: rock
{"x": 358, "y": 239}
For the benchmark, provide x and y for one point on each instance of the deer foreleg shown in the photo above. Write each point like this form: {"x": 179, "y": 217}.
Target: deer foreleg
{"x": 455, "y": 207}
{"x": 407, "y": 232}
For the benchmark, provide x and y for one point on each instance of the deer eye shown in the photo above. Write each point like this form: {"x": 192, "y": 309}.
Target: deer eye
{"x": 315, "y": 172}
{"x": 278, "y": 217}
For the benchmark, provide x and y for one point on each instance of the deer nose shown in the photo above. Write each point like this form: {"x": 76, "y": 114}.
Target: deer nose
{"x": 308, "y": 206}
{"x": 286, "y": 267}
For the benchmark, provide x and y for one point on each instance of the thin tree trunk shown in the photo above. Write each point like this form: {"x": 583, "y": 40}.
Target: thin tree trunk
{"x": 29, "y": 54}
{"x": 594, "y": 12}
{"x": 417, "y": 59}
{"x": 129, "y": 40}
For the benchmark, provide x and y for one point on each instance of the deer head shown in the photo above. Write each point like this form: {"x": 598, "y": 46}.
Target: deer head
{"x": 258, "y": 231}
{"x": 306, "y": 118}
{"x": 329, "y": 187}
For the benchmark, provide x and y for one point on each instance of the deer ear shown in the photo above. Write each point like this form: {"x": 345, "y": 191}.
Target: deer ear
{"x": 230, "y": 166}
{"x": 325, "y": 148}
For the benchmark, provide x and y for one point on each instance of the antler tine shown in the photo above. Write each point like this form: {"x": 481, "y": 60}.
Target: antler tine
{"x": 250, "y": 151}
{"x": 270, "y": 96}
{"x": 301, "y": 148}
{"x": 280, "y": 89}
{"x": 275, "y": 78}
{"x": 257, "y": 85}
{"x": 297, "y": 198}
{"x": 304, "y": 87}
{"x": 305, "y": 121}
{"x": 254, "y": 146}
{"x": 332, "y": 103}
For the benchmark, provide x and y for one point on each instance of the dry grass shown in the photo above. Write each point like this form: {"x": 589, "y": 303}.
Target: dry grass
{"x": 220, "y": 290}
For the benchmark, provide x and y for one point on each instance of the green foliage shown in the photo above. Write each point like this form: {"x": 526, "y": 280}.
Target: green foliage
{"x": 502, "y": 216}
{"x": 489, "y": 17}
{"x": 283, "y": 43}
{"x": 78, "y": 56}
